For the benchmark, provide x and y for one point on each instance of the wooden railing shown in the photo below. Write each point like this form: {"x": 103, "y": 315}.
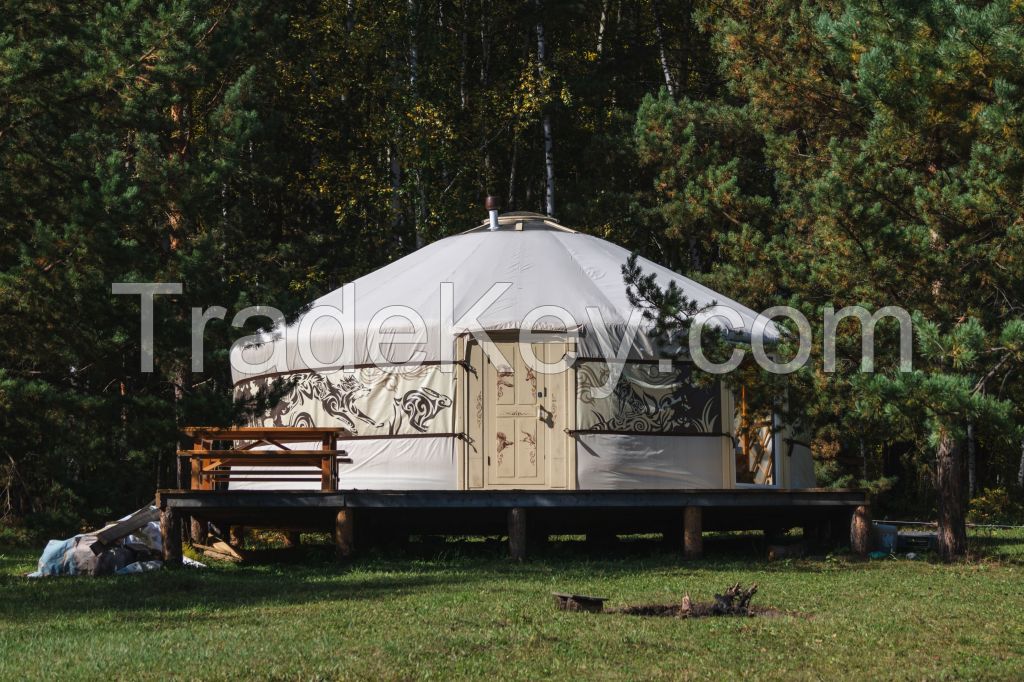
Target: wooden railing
{"x": 262, "y": 447}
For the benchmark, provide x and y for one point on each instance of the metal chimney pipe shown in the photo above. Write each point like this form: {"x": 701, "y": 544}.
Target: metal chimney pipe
{"x": 493, "y": 204}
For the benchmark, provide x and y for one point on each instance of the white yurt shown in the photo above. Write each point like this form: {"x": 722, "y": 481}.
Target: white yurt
{"x": 509, "y": 357}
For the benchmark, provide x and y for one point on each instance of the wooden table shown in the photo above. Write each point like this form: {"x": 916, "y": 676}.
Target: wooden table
{"x": 263, "y": 447}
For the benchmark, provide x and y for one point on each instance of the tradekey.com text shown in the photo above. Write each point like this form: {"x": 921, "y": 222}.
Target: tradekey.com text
{"x": 327, "y": 336}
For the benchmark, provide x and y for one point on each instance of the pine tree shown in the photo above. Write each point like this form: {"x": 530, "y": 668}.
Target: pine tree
{"x": 868, "y": 155}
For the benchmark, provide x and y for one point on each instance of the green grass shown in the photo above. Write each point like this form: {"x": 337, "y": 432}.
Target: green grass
{"x": 460, "y": 610}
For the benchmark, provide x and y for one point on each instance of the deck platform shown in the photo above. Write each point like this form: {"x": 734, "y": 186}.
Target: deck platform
{"x": 358, "y": 516}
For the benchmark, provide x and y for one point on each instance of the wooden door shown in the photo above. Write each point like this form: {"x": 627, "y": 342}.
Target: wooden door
{"x": 521, "y": 445}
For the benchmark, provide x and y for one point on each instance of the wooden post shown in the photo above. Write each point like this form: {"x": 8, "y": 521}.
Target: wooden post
{"x": 197, "y": 465}
{"x": 860, "y": 531}
{"x": 170, "y": 536}
{"x": 517, "y": 533}
{"x": 327, "y": 466}
{"x": 693, "y": 539}
{"x": 200, "y": 532}
{"x": 237, "y": 536}
{"x": 343, "y": 533}
{"x": 292, "y": 538}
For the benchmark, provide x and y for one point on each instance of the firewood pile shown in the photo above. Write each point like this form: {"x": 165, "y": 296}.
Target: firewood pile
{"x": 735, "y": 601}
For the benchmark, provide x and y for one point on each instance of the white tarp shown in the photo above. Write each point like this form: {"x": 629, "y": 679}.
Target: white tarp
{"x": 648, "y": 462}
{"x": 801, "y": 467}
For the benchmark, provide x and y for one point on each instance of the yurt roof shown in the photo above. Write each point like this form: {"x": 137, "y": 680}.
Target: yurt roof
{"x": 535, "y": 262}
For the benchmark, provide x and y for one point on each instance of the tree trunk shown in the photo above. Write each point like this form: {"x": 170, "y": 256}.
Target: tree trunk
{"x": 549, "y": 141}
{"x": 1020, "y": 469}
{"x": 464, "y": 60}
{"x": 485, "y": 49}
{"x": 601, "y": 27}
{"x": 952, "y": 536}
{"x": 972, "y": 464}
{"x": 178, "y": 157}
{"x": 416, "y": 172}
{"x": 512, "y": 173}
{"x": 490, "y": 177}
{"x": 414, "y": 55}
{"x": 695, "y": 265}
{"x": 549, "y": 167}
{"x": 659, "y": 35}
{"x": 397, "y": 217}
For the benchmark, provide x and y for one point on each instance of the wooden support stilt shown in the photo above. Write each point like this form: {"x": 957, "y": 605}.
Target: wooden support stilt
{"x": 693, "y": 538}
{"x": 237, "y": 536}
{"x": 170, "y": 536}
{"x": 292, "y": 539}
{"x": 200, "y": 532}
{"x": 860, "y": 531}
{"x": 343, "y": 533}
{"x": 517, "y": 533}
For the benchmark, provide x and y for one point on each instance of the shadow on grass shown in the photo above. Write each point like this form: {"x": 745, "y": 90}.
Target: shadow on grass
{"x": 217, "y": 587}
{"x": 1005, "y": 547}
{"x": 310, "y": 574}
{"x": 727, "y": 552}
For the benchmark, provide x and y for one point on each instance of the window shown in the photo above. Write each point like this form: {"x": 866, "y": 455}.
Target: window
{"x": 754, "y": 441}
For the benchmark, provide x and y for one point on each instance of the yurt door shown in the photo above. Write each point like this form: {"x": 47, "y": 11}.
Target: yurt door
{"x": 523, "y": 424}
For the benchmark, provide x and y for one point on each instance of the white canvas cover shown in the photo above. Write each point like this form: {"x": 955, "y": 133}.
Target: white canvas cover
{"x": 523, "y": 271}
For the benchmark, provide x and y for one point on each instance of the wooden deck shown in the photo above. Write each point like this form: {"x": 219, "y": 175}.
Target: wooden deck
{"x": 360, "y": 515}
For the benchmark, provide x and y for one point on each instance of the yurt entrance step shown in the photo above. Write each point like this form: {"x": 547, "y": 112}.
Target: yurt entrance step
{"x": 842, "y": 514}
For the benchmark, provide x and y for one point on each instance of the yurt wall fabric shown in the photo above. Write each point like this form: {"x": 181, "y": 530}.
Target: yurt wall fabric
{"x": 382, "y": 464}
{"x": 366, "y": 401}
{"x": 655, "y": 429}
{"x": 415, "y": 402}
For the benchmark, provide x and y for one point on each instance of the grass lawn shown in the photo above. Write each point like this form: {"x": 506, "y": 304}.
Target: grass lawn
{"x": 460, "y": 610}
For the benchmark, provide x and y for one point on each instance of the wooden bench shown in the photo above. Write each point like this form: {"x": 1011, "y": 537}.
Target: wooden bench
{"x": 262, "y": 447}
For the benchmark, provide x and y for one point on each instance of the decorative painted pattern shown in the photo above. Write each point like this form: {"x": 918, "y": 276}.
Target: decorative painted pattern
{"x": 367, "y": 401}
{"x": 503, "y": 444}
{"x": 505, "y": 380}
{"x": 645, "y": 400}
{"x": 531, "y": 442}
